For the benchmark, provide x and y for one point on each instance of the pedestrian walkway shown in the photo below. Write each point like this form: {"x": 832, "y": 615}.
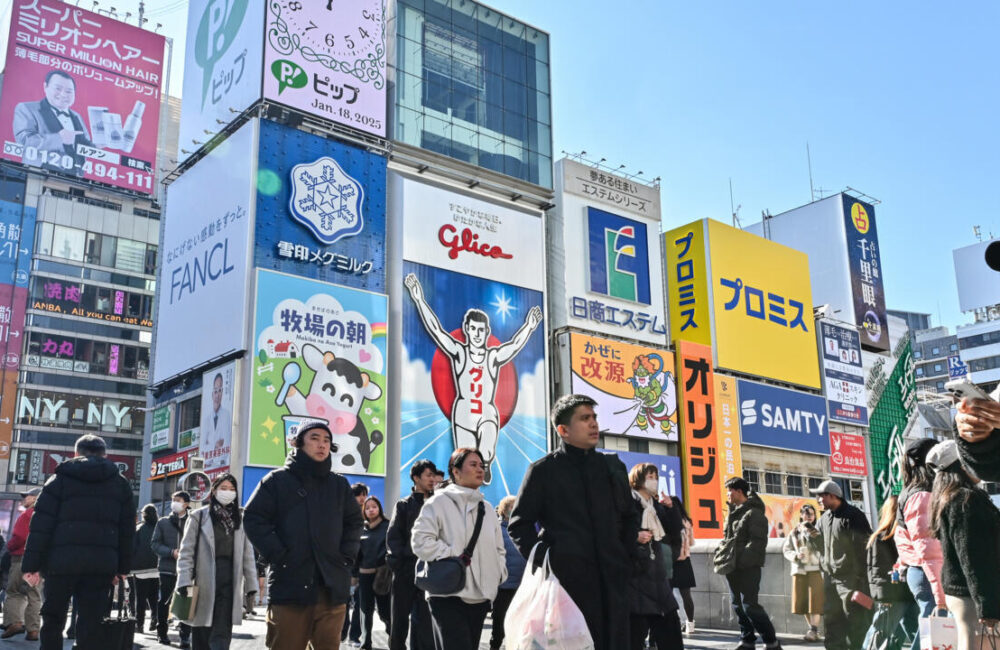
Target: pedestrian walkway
{"x": 250, "y": 636}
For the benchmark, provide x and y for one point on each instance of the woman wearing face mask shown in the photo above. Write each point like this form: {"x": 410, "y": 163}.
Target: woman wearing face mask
{"x": 371, "y": 561}
{"x": 222, "y": 567}
{"x": 652, "y": 607}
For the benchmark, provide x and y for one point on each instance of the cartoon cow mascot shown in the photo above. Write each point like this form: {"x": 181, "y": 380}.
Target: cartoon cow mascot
{"x": 336, "y": 394}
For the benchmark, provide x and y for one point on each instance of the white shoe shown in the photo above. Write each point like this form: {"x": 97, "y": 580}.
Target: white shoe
{"x": 689, "y": 628}
{"x": 811, "y": 635}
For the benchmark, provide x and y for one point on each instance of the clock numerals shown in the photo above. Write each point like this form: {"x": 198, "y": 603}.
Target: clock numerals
{"x": 330, "y": 42}
{"x": 349, "y": 41}
{"x": 363, "y": 33}
{"x": 369, "y": 15}
{"x": 312, "y": 25}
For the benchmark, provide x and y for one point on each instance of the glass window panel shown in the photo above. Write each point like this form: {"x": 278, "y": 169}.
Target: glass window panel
{"x": 538, "y": 44}
{"x": 92, "y": 250}
{"x": 542, "y": 110}
{"x": 465, "y": 138}
{"x": 409, "y": 126}
{"x": 436, "y": 92}
{"x": 540, "y": 138}
{"x": 108, "y": 247}
{"x": 68, "y": 242}
{"x": 515, "y": 65}
{"x": 151, "y": 259}
{"x": 541, "y": 78}
{"x": 131, "y": 255}
{"x": 489, "y": 25}
{"x": 410, "y": 54}
{"x": 772, "y": 483}
{"x": 515, "y": 97}
{"x": 492, "y": 56}
{"x": 753, "y": 478}
{"x": 515, "y": 127}
{"x": 43, "y": 237}
{"x": 544, "y": 172}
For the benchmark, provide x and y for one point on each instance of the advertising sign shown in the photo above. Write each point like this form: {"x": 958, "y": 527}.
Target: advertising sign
{"x": 762, "y": 301}
{"x": 81, "y": 95}
{"x": 843, "y": 373}
{"x": 699, "y": 439}
{"x": 204, "y": 257}
{"x": 633, "y": 386}
{"x": 89, "y": 301}
{"x": 783, "y": 418}
{"x": 977, "y": 287}
{"x": 218, "y": 387}
{"x": 730, "y": 452}
{"x": 783, "y": 513}
{"x": 957, "y": 369}
{"x": 189, "y": 438}
{"x": 17, "y": 238}
{"x": 474, "y": 372}
{"x": 320, "y": 209}
{"x": 28, "y": 468}
{"x": 668, "y": 469}
{"x": 319, "y": 354}
{"x": 890, "y": 419}
{"x": 223, "y": 56}
{"x": 128, "y": 466}
{"x": 610, "y": 190}
{"x": 170, "y": 465}
{"x": 847, "y": 454}
{"x": 687, "y": 284}
{"x": 864, "y": 259}
{"x": 328, "y": 60}
{"x": 160, "y": 437}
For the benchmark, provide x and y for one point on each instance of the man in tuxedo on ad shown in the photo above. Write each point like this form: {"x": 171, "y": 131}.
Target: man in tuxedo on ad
{"x": 50, "y": 126}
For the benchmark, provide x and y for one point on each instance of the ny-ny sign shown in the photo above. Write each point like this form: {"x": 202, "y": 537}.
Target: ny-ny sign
{"x": 45, "y": 409}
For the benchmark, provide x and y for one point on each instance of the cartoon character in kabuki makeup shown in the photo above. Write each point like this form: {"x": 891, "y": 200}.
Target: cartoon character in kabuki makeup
{"x": 654, "y": 390}
{"x": 335, "y": 396}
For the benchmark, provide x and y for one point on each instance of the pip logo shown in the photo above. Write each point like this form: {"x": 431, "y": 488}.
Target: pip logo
{"x": 326, "y": 200}
{"x": 749, "y": 410}
{"x": 619, "y": 256}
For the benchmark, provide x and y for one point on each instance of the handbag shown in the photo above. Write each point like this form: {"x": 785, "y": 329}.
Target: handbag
{"x": 118, "y": 631}
{"x": 447, "y": 576}
{"x": 383, "y": 580}
{"x": 182, "y": 605}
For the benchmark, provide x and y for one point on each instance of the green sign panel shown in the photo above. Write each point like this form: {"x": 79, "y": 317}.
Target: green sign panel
{"x": 889, "y": 423}
{"x": 189, "y": 438}
{"x": 160, "y": 438}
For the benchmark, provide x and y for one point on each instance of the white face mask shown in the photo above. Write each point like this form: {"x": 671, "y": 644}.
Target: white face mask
{"x": 225, "y": 497}
{"x": 177, "y": 507}
{"x": 652, "y": 486}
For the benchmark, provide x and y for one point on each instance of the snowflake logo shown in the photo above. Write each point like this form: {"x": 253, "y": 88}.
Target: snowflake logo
{"x": 326, "y": 200}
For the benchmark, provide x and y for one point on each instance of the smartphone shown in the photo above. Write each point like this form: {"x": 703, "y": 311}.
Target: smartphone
{"x": 960, "y": 388}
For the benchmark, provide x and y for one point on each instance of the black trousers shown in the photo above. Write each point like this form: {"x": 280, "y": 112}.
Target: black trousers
{"x": 167, "y": 583}
{"x": 845, "y": 621}
{"x": 458, "y": 625}
{"x": 500, "y": 605}
{"x": 407, "y": 598}
{"x": 92, "y": 597}
{"x": 145, "y": 595}
{"x": 744, "y": 586}
{"x": 352, "y": 619}
{"x": 219, "y": 635}
{"x": 369, "y": 602}
{"x": 663, "y": 630}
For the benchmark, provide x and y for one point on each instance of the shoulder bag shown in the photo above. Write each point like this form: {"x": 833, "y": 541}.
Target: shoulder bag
{"x": 447, "y": 576}
{"x": 183, "y": 605}
{"x": 118, "y": 631}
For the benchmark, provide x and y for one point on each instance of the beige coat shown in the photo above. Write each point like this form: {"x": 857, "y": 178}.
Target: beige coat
{"x": 244, "y": 567}
{"x": 444, "y": 527}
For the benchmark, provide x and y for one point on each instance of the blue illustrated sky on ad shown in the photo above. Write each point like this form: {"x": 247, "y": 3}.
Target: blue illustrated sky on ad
{"x": 895, "y": 99}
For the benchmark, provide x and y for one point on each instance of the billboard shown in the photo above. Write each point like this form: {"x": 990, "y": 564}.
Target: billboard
{"x": 847, "y": 454}
{"x": 843, "y": 373}
{"x": 319, "y": 354}
{"x": 699, "y": 439}
{"x": 762, "y": 307}
{"x": 17, "y": 238}
{"x": 320, "y": 209}
{"x": 633, "y": 386}
{"x": 611, "y": 282}
{"x": 170, "y": 465}
{"x": 81, "y": 95}
{"x": 865, "y": 263}
{"x": 730, "y": 452}
{"x": 203, "y": 272}
{"x": 957, "y": 369}
{"x": 218, "y": 387}
{"x": 895, "y": 396}
{"x": 977, "y": 285}
{"x": 783, "y": 513}
{"x": 160, "y": 437}
{"x": 668, "y": 468}
{"x": 687, "y": 284}
{"x": 474, "y": 371}
{"x": 328, "y": 61}
{"x": 783, "y": 418}
{"x": 222, "y": 58}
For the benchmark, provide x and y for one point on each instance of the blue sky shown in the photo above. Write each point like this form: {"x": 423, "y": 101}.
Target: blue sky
{"x": 895, "y": 99}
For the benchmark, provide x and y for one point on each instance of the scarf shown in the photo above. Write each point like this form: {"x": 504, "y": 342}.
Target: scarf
{"x": 650, "y": 521}
{"x": 225, "y": 515}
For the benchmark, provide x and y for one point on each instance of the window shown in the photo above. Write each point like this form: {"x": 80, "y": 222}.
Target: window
{"x": 917, "y": 354}
{"x": 814, "y": 482}
{"x": 939, "y": 385}
{"x": 753, "y": 478}
{"x": 190, "y": 414}
{"x": 638, "y": 445}
{"x": 937, "y": 367}
{"x": 68, "y": 243}
{"x": 772, "y": 483}
{"x": 794, "y": 485}
{"x": 920, "y": 372}
{"x": 935, "y": 351}
{"x": 131, "y": 256}
{"x": 953, "y": 347}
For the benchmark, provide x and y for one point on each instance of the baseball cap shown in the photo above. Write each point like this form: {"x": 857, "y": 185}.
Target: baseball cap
{"x": 943, "y": 455}
{"x": 828, "y": 487}
{"x": 33, "y": 492}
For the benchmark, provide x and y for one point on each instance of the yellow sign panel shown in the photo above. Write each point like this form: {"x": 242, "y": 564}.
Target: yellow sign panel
{"x": 730, "y": 458}
{"x": 762, "y": 307}
{"x": 687, "y": 284}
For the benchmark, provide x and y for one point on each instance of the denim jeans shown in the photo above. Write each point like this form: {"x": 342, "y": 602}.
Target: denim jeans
{"x": 894, "y": 624}
{"x": 920, "y": 586}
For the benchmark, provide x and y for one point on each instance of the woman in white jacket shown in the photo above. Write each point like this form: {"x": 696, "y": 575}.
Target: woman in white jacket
{"x": 802, "y": 549}
{"x": 443, "y": 529}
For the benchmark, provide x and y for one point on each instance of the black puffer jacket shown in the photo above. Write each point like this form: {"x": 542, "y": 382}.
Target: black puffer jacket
{"x": 882, "y": 555}
{"x": 400, "y": 555}
{"x": 372, "y": 554}
{"x": 83, "y": 522}
{"x": 650, "y": 592}
{"x": 969, "y": 530}
{"x": 304, "y": 521}
{"x": 143, "y": 556}
{"x": 844, "y": 560}
{"x": 745, "y": 542}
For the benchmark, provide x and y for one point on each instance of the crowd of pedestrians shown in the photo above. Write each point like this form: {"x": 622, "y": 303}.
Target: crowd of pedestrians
{"x": 331, "y": 560}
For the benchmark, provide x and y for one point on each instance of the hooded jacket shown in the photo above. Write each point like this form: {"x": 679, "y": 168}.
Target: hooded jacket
{"x": 882, "y": 557}
{"x": 167, "y": 539}
{"x": 802, "y": 549}
{"x": 969, "y": 530}
{"x": 304, "y": 521}
{"x": 915, "y": 541}
{"x": 143, "y": 556}
{"x": 745, "y": 542}
{"x": 444, "y": 528}
{"x": 844, "y": 559}
{"x": 83, "y": 522}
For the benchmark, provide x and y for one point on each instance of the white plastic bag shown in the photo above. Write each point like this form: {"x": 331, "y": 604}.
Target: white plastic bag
{"x": 938, "y": 633}
{"x": 546, "y": 616}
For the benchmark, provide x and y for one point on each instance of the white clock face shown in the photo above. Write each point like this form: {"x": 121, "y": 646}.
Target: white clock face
{"x": 343, "y": 29}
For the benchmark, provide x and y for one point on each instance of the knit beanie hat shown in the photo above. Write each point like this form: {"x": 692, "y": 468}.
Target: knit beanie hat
{"x": 309, "y": 426}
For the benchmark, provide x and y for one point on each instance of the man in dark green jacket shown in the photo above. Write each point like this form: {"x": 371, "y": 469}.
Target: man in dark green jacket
{"x": 739, "y": 557}
{"x": 845, "y": 532}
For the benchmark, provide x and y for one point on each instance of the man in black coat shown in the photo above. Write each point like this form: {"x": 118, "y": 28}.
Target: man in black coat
{"x": 166, "y": 543}
{"x": 589, "y": 523}
{"x": 845, "y": 531}
{"x": 81, "y": 539}
{"x": 305, "y": 523}
{"x": 406, "y": 598}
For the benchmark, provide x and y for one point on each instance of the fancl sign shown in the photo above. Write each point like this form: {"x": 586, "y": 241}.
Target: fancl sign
{"x": 783, "y": 418}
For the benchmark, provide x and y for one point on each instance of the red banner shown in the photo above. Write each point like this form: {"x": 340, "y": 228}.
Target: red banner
{"x": 847, "y": 454}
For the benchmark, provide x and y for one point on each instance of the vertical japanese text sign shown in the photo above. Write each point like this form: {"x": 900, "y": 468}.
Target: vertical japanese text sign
{"x": 687, "y": 284}
{"x": 699, "y": 439}
{"x": 730, "y": 451}
{"x": 864, "y": 258}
